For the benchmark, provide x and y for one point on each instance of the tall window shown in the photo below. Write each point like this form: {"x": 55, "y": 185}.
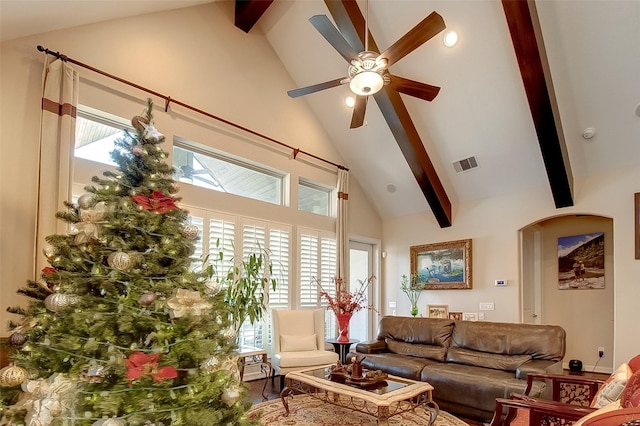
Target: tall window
{"x": 96, "y": 132}
{"x": 314, "y": 198}
{"x": 318, "y": 264}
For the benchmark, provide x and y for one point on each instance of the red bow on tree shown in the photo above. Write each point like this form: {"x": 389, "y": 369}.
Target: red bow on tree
{"x": 158, "y": 202}
{"x": 139, "y": 365}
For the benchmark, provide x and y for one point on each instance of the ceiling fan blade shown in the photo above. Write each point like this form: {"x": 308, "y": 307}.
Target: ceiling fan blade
{"x": 333, "y": 36}
{"x": 413, "y": 88}
{"x": 357, "y": 118}
{"x": 425, "y": 30}
{"x": 315, "y": 88}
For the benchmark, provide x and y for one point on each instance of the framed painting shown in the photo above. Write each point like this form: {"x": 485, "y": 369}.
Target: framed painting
{"x": 581, "y": 261}
{"x": 470, "y": 316}
{"x": 438, "y": 311}
{"x": 442, "y": 266}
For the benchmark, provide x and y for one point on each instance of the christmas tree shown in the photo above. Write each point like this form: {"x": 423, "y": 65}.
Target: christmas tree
{"x": 121, "y": 331}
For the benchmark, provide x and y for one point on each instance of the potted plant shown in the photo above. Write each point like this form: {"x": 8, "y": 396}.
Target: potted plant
{"x": 246, "y": 286}
{"x": 410, "y": 287}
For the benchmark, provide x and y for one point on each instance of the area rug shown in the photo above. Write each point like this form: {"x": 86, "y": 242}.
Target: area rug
{"x": 308, "y": 411}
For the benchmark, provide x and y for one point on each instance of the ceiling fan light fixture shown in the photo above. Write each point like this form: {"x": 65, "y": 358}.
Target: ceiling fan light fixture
{"x": 366, "y": 83}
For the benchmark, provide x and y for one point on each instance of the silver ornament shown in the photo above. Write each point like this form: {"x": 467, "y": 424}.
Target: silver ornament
{"x": 146, "y": 299}
{"x": 58, "y": 301}
{"x": 190, "y": 232}
{"x": 12, "y": 375}
{"x": 120, "y": 260}
{"x": 86, "y": 201}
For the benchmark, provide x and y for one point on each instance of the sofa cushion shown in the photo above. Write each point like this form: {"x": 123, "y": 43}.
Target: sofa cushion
{"x": 424, "y": 331}
{"x": 398, "y": 365}
{"x": 614, "y": 406}
{"x": 539, "y": 341}
{"x": 436, "y": 353}
{"x": 485, "y": 359}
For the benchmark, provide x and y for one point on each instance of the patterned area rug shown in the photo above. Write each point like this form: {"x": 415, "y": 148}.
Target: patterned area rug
{"x": 308, "y": 411}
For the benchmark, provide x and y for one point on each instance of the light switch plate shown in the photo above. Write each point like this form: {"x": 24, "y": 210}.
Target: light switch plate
{"x": 487, "y": 306}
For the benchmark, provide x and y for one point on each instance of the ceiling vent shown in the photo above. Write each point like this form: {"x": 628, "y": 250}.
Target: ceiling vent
{"x": 465, "y": 164}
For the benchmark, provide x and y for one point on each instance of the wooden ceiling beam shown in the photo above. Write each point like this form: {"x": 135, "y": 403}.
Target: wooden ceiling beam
{"x": 524, "y": 26}
{"x": 350, "y": 22}
{"x": 248, "y": 12}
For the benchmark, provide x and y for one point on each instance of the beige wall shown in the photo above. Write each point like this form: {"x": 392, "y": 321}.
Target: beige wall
{"x": 494, "y": 224}
{"x": 586, "y": 315}
{"x": 181, "y": 54}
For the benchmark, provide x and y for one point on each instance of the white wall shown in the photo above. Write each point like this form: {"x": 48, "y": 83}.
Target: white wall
{"x": 194, "y": 55}
{"x": 493, "y": 226}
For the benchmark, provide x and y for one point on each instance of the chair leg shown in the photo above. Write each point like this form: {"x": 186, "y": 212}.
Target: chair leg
{"x": 281, "y": 382}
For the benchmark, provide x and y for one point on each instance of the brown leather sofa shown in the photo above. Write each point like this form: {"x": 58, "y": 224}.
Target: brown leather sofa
{"x": 469, "y": 363}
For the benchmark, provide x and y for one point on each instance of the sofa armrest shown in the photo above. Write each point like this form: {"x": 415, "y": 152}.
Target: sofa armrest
{"x": 538, "y": 366}
{"x": 589, "y": 387}
{"x": 371, "y": 347}
{"x": 538, "y": 409}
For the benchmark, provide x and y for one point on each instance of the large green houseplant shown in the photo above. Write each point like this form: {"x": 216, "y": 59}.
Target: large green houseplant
{"x": 246, "y": 285}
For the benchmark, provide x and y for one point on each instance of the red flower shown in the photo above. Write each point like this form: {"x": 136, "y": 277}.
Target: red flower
{"x": 140, "y": 365}
{"x": 158, "y": 202}
{"x": 48, "y": 270}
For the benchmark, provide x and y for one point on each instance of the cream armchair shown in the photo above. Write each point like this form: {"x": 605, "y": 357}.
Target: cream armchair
{"x": 298, "y": 341}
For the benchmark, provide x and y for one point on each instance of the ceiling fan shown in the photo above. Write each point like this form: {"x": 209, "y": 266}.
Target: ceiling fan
{"x": 368, "y": 71}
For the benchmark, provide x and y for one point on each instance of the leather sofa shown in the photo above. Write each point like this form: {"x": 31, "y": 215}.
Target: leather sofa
{"x": 469, "y": 363}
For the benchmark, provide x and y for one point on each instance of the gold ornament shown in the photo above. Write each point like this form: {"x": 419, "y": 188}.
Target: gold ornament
{"x": 190, "y": 232}
{"x": 12, "y": 375}
{"x": 231, "y": 395}
{"x": 210, "y": 364}
{"x": 49, "y": 250}
{"x": 120, "y": 260}
{"x": 58, "y": 301}
{"x": 187, "y": 302}
{"x": 211, "y": 287}
{"x": 174, "y": 187}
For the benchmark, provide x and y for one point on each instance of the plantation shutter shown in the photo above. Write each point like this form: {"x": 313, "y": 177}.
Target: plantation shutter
{"x": 308, "y": 271}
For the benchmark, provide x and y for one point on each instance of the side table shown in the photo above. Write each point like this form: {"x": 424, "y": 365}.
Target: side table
{"x": 255, "y": 355}
{"x": 342, "y": 348}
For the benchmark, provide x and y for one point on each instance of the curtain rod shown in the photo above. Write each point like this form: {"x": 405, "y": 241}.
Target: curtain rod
{"x": 168, "y": 100}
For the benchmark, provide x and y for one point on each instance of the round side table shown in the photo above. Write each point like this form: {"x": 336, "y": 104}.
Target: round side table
{"x": 342, "y": 348}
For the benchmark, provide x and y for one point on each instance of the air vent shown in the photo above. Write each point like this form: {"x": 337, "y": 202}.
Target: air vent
{"x": 465, "y": 164}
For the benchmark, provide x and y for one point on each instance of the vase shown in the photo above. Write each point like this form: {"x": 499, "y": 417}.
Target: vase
{"x": 343, "y": 327}
{"x": 414, "y": 310}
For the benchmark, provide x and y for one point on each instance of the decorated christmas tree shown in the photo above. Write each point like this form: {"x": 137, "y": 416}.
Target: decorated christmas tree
{"x": 120, "y": 331}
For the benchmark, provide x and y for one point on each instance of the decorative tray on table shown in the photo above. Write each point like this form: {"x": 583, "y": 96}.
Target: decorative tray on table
{"x": 367, "y": 378}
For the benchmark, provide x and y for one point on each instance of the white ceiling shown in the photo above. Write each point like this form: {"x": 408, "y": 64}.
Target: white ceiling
{"x": 594, "y": 55}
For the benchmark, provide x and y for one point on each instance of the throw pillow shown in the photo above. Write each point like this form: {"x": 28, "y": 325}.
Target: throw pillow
{"x": 631, "y": 392}
{"x": 613, "y": 387}
{"x": 620, "y": 417}
{"x": 634, "y": 363}
{"x": 298, "y": 343}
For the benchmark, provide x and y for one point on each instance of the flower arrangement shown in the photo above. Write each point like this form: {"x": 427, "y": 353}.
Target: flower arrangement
{"x": 412, "y": 290}
{"x": 346, "y": 302}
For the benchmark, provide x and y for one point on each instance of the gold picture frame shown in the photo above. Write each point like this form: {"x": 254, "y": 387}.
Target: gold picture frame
{"x": 456, "y": 316}
{"x": 442, "y": 266}
{"x": 438, "y": 311}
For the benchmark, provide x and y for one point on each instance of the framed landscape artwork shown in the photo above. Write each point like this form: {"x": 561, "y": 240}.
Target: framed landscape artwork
{"x": 581, "y": 261}
{"x": 442, "y": 266}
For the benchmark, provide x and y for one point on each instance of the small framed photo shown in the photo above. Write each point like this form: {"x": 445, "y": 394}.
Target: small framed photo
{"x": 438, "y": 311}
{"x": 456, "y": 316}
{"x": 470, "y": 316}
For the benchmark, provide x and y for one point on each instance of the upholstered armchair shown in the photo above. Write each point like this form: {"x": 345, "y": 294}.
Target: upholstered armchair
{"x": 298, "y": 341}
{"x": 576, "y": 400}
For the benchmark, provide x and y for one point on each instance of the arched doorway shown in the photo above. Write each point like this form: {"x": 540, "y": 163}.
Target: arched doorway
{"x": 585, "y": 313}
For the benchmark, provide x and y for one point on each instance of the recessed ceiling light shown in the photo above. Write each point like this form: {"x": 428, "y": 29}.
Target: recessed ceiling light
{"x": 391, "y": 188}
{"x": 350, "y": 101}
{"x": 450, "y": 38}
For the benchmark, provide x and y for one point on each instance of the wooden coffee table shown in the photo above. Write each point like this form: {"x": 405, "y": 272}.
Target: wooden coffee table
{"x": 386, "y": 399}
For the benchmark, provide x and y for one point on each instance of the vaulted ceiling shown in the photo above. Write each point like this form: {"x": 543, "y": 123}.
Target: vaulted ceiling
{"x": 517, "y": 93}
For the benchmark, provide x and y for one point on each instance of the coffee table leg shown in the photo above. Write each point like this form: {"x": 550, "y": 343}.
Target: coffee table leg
{"x": 432, "y": 409}
{"x": 283, "y": 396}
{"x": 383, "y": 416}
